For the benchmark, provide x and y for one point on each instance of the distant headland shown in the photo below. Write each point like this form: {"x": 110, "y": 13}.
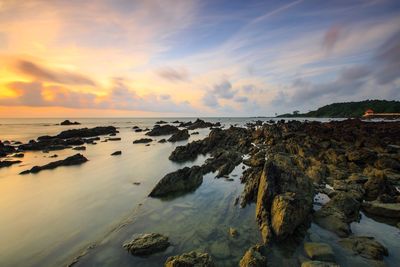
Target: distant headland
{"x": 349, "y": 109}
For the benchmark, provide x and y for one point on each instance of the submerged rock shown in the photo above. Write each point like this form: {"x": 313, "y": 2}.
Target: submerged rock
{"x": 364, "y": 246}
{"x": 319, "y": 264}
{"x": 253, "y": 258}
{"x": 180, "y": 181}
{"x": 146, "y": 244}
{"x": 390, "y": 210}
{"x": 116, "y": 153}
{"x": 68, "y": 122}
{"x": 143, "y": 141}
{"x": 319, "y": 251}
{"x": 190, "y": 259}
{"x": 179, "y": 136}
{"x": 8, "y": 163}
{"x": 76, "y": 159}
{"x": 163, "y": 130}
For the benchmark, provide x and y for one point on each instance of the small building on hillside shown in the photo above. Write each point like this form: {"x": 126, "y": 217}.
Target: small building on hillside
{"x": 368, "y": 112}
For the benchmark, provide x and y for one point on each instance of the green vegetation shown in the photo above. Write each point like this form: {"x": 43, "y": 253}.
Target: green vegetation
{"x": 349, "y": 109}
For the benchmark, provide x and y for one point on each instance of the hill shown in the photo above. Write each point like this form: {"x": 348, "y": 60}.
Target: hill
{"x": 349, "y": 109}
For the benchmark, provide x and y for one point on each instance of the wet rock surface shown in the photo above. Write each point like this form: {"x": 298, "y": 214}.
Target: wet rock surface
{"x": 143, "y": 141}
{"x": 178, "y": 182}
{"x": 76, "y": 159}
{"x": 190, "y": 259}
{"x": 146, "y": 244}
{"x": 68, "y": 122}
{"x": 179, "y": 136}
{"x": 8, "y": 163}
{"x": 319, "y": 251}
{"x": 364, "y": 246}
{"x": 254, "y": 258}
{"x": 163, "y": 130}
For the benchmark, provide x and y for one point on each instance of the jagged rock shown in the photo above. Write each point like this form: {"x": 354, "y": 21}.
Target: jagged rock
{"x": 338, "y": 213}
{"x": 143, "y": 141}
{"x": 390, "y": 210}
{"x": 161, "y": 122}
{"x": 180, "y": 181}
{"x": 378, "y": 185}
{"x": 116, "y": 153}
{"x": 319, "y": 251}
{"x": 68, "y": 122}
{"x": 257, "y": 160}
{"x": 76, "y": 159}
{"x": 253, "y": 258}
{"x": 319, "y": 264}
{"x": 163, "y": 130}
{"x": 364, "y": 246}
{"x": 387, "y": 163}
{"x": 5, "y": 149}
{"x": 293, "y": 192}
{"x": 8, "y": 163}
{"x": 190, "y": 259}
{"x": 199, "y": 124}
{"x": 146, "y": 244}
{"x": 251, "y": 178}
{"x": 179, "y": 136}
{"x": 223, "y": 162}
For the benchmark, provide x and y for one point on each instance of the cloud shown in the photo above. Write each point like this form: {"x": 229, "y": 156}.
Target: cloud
{"x": 120, "y": 97}
{"x": 173, "y": 75}
{"x": 41, "y": 73}
{"x": 224, "y": 90}
{"x": 210, "y": 100}
{"x": 331, "y": 37}
{"x": 241, "y": 99}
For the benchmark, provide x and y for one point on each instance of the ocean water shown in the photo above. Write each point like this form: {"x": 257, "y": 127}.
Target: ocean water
{"x": 89, "y": 211}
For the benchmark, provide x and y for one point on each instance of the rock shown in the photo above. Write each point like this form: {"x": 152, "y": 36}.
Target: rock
{"x": 319, "y": 251}
{"x": 364, "y": 246}
{"x": 116, "y": 153}
{"x": 136, "y": 183}
{"x": 68, "y": 122}
{"x": 163, "y": 130}
{"x": 190, "y": 259}
{"x": 6, "y": 149}
{"x": 195, "y": 133}
{"x": 319, "y": 264}
{"x": 143, "y": 141}
{"x": 84, "y": 132}
{"x": 180, "y": 181}
{"x": 179, "y": 136}
{"x": 76, "y": 159}
{"x": 161, "y": 122}
{"x": 199, "y": 124}
{"x": 336, "y": 215}
{"x": 18, "y": 155}
{"x": 114, "y": 139}
{"x": 223, "y": 162}
{"x": 162, "y": 141}
{"x": 146, "y": 244}
{"x": 390, "y": 210}
{"x": 378, "y": 185}
{"x": 79, "y": 148}
{"x": 387, "y": 163}
{"x": 280, "y": 217}
{"x": 8, "y": 163}
{"x": 233, "y": 232}
{"x": 257, "y": 160}
{"x": 253, "y": 258}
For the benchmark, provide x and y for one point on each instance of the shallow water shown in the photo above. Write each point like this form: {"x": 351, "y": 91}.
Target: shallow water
{"x": 49, "y": 218}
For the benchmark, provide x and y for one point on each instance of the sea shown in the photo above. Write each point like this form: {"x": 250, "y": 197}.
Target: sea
{"x": 82, "y": 215}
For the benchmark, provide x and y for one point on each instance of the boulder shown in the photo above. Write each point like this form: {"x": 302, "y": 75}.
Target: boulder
{"x": 390, "y": 210}
{"x": 163, "y": 130}
{"x": 378, "y": 185}
{"x": 180, "y": 181}
{"x": 179, "y": 136}
{"x": 319, "y": 251}
{"x": 143, "y": 141}
{"x": 68, "y": 122}
{"x": 253, "y": 258}
{"x": 364, "y": 246}
{"x": 190, "y": 259}
{"x": 146, "y": 244}
{"x": 76, "y": 159}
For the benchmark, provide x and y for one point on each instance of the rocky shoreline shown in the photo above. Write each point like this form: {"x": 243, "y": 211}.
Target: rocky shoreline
{"x": 287, "y": 166}
{"x": 353, "y": 163}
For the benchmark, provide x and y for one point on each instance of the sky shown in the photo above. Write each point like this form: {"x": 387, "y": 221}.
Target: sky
{"x": 126, "y": 58}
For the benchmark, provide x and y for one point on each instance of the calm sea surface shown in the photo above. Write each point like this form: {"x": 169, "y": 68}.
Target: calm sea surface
{"x": 49, "y": 218}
